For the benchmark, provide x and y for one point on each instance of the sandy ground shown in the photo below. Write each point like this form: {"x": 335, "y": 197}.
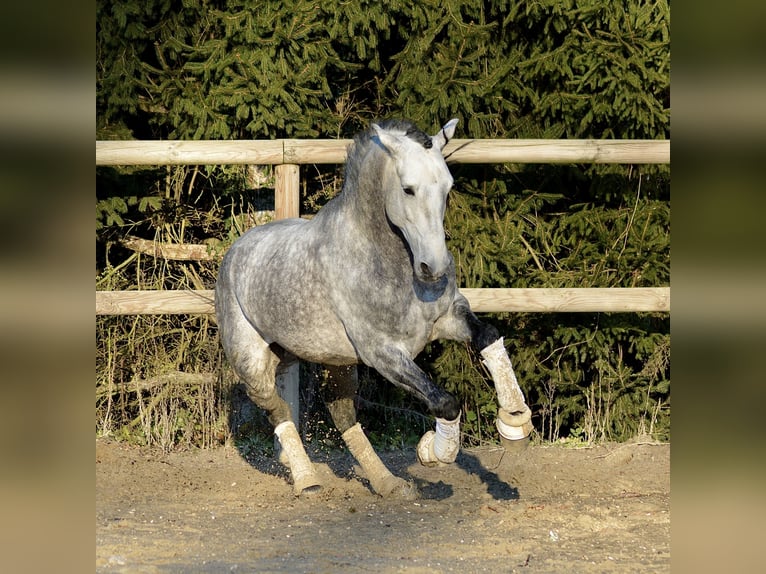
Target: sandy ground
{"x": 546, "y": 509}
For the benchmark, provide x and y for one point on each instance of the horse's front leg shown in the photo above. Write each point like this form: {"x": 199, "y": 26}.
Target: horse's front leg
{"x": 514, "y": 417}
{"x": 436, "y": 447}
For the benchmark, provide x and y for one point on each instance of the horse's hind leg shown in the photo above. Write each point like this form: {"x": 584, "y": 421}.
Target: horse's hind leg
{"x": 255, "y": 364}
{"x": 340, "y": 391}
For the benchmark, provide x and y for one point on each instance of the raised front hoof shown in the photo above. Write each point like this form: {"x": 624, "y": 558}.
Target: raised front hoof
{"x": 514, "y": 446}
{"x": 514, "y": 430}
{"x": 396, "y": 488}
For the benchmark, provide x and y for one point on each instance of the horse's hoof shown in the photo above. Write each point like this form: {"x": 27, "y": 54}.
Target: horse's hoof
{"x": 514, "y": 430}
{"x": 310, "y": 491}
{"x": 398, "y": 488}
{"x": 307, "y": 485}
{"x": 425, "y": 450}
{"x": 406, "y": 491}
{"x": 513, "y": 446}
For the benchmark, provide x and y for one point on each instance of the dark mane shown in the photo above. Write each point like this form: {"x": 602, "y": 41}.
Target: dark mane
{"x": 409, "y": 129}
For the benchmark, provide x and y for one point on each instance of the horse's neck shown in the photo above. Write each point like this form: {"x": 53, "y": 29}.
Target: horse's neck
{"x": 358, "y": 222}
{"x": 361, "y": 218}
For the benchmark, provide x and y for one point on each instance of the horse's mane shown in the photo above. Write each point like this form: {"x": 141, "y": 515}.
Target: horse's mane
{"x": 409, "y": 128}
{"x": 358, "y": 150}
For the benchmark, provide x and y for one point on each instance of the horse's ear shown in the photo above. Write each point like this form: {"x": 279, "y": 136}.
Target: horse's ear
{"x": 445, "y": 134}
{"x": 389, "y": 141}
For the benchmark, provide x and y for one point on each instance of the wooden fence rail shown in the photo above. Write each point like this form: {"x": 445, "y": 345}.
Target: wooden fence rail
{"x": 541, "y": 300}
{"x": 287, "y": 154}
{"x": 288, "y": 151}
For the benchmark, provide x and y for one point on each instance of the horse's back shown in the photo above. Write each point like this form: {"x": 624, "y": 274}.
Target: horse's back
{"x": 257, "y": 258}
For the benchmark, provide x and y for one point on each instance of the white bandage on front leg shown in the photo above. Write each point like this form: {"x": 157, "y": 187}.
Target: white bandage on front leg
{"x": 497, "y": 361}
{"x": 442, "y": 445}
{"x": 516, "y": 426}
{"x": 294, "y": 456}
{"x": 513, "y": 422}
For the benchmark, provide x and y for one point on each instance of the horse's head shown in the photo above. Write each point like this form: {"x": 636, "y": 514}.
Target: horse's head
{"x": 416, "y": 195}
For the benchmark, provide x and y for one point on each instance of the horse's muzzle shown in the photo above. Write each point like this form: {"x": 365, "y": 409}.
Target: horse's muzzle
{"x": 427, "y": 275}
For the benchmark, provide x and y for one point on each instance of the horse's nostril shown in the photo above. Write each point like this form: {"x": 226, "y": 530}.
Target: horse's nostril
{"x": 425, "y": 270}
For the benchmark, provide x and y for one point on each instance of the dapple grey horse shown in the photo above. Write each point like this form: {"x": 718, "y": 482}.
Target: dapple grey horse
{"x": 367, "y": 280}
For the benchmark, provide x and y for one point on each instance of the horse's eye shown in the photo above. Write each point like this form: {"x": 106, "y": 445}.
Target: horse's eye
{"x": 409, "y": 191}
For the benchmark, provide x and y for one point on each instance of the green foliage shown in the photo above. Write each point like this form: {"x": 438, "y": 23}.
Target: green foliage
{"x": 239, "y": 69}
{"x": 305, "y": 68}
{"x": 212, "y": 71}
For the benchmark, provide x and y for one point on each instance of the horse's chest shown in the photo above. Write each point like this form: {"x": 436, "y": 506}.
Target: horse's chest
{"x": 413, "y": 324}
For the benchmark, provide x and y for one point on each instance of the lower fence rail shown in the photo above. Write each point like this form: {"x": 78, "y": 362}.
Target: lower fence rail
{"x": 517, "y": 300}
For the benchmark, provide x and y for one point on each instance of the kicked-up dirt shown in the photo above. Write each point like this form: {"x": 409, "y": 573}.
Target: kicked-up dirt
{"x": 545, "y": 509}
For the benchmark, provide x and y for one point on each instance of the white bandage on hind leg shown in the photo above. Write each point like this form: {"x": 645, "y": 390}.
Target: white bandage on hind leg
{"x": 441, "y": 445}
{"x": 513, "y": 420}
{"x": 294, "y": 456}
{"x": 381, "y": 479}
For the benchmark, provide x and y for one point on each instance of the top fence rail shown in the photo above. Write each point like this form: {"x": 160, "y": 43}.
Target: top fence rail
{"x": 293, "y": 151}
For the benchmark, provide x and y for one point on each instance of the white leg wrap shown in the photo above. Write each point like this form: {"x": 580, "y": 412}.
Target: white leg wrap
{"x": 440, "y": 446}
{"x": 513, "y": 422}
{"x": 509, "y": 394}
{"x": 294, "y": 456}
{"x": 447, "y": 439}
{"x": 514, "y": 427}
{"x": 382, "y": 481}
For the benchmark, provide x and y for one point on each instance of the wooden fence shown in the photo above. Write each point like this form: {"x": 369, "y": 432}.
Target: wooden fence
{"x": 288, "y": 154}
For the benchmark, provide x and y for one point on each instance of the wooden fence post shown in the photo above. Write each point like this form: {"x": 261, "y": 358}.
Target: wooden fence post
{"x": 287, "y": 191}
{"x": 287, "y": 205}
